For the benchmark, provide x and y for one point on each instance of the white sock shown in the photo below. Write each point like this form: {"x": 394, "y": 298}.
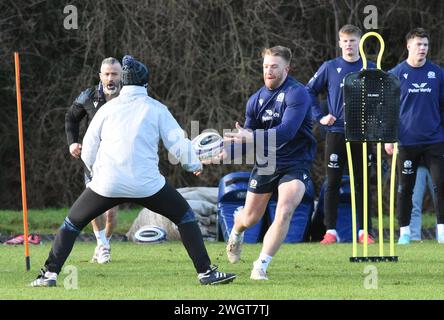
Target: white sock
{"x": 51, "y": 275}
{"x": 440, "y": 229}
{"x": 101, "y": 238}
{"x": 263, "y": 261}
{"x": 235, "y": 235}
{"x": 405, "y": 230}
{"x": 332, "y": 231}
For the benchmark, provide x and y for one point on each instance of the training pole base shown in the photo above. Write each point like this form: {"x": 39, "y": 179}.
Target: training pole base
{"x": 375, "y": 259}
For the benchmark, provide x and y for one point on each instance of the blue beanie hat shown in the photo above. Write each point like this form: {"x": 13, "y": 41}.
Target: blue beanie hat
{"x": 134, "y": 72}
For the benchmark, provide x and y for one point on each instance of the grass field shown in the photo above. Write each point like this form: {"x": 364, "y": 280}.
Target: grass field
{"x": 163, "y": 271}
{"x": 48, "y": 221}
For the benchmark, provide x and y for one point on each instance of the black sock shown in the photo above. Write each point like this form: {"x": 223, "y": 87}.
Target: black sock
{"x": 193, "y": 243}
{"x": 60, "y": 250}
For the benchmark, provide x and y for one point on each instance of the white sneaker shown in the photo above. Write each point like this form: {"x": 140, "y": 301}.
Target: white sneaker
{"x": 45, "y": 279}
{"x": 258, "y": 274}
{"x": 234, "y": 249}
{"x": 95, "y": 255}
{"x": 104, "y": 254}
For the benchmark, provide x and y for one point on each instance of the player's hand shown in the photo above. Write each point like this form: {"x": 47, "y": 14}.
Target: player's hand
{"x": 328, "y": 120}
{"x": 241, "y": 136}
{"x": 75, "y": 149}
{"x": 389, "y": 148}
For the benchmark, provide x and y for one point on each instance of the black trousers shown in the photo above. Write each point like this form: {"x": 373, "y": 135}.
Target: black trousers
{"x": 167, "y": 202}
{"x": 336, "y": 160}
{"x": 408, "y": 159}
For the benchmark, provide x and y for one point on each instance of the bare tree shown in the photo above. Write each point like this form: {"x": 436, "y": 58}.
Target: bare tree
{"x": 204, "y": 58}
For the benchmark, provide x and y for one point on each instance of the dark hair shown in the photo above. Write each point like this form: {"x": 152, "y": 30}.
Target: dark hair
{"x": 417, "y": 32}
{"x": 350, "y": 29}
{"x": 279, "y": 51}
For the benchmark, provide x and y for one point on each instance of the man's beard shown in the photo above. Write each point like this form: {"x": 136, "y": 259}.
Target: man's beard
{"x": 274, "y": 83}
{"x": 111, "y": 89}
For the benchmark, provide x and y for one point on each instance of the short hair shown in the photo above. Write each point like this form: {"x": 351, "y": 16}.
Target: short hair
{"x": 110, "y": 60}
{"x": 417, "y": 32}
{"x": 350, "y": 29}
{"x": 279, "y": 51}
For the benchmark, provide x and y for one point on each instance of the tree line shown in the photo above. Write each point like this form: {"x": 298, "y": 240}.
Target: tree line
{"x": 204, "y": 58}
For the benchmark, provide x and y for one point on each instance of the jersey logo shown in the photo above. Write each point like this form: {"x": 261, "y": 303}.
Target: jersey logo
{"x": 407, "y": 167}
{"x": 268, "y": 116}
{"x": 420, "y": 88}
{"x": 261, "y": 101}
{"x": 280, "y": 97}
{"x": 406, "y": 75}
{"x": 339, "y": 70}
{"x": 95, "y": 104}
{"x": 333, "y": 163}
{"x": 431, "y": 75}
{"x": 422, "y": 85}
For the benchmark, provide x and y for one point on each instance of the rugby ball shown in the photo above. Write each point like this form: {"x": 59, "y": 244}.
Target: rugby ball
{"x": 150, "y": 234}
{"x": 208, "y": 145}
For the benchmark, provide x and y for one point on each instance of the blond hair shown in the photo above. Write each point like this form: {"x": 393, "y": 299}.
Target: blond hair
{"x": 350, "y": 29}
{"x": 279, "y": 51}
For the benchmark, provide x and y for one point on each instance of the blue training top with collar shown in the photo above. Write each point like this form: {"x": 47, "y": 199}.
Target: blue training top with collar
{"x": 422, "y": 103}
{"x": 330, "y": 76}
{"x": 286, "y": 110}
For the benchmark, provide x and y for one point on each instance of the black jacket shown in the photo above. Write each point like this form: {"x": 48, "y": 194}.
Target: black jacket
{"x": 86, "y": 104}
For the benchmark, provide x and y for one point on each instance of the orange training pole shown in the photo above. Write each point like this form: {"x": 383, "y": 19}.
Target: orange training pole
{"x": 22, "y": 159}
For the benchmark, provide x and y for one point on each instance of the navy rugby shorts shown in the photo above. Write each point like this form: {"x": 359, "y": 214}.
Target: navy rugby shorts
{"x": 270, "y": 182}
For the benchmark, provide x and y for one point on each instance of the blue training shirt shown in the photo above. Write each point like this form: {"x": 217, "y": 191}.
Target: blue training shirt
{"x": 286, "y": 110}
{"x": 421, "y": 112}
{"x": 330, "y": 76}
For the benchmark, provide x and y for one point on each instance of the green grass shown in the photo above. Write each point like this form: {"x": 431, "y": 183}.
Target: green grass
{"x": 163, "y": 271}
{"x": 428, "y": 221}
{"x": 47, "y": 221}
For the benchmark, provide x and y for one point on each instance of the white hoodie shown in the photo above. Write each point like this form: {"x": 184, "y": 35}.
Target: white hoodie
{"x": 120, "y": 146}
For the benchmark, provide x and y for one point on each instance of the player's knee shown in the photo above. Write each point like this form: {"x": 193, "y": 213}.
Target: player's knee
{"x": 111, "y": 217}
{"x": 188, "y": 217}
{"x": 284, "y": 213}
{"x": 70, "y": 226}
{"x": 111, "y": 213}
{"x": 251, "y": 220}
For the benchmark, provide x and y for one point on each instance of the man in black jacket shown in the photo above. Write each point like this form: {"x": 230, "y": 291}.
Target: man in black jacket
{"x": 86, "y": 106}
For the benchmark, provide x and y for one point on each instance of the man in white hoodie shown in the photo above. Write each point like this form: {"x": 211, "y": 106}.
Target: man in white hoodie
{"x": 120, "y": 149}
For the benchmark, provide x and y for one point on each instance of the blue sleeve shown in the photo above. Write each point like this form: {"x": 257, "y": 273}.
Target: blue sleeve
{"x": 315, "y": 86}
{"x": 298, "y": 103}
{"x": 250, "y": 117}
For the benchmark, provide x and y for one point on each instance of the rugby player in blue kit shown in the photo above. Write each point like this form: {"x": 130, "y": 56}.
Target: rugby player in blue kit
{"x": 421, "y": 129}
{"x": 330, "y": 77}
{"x": 278, "y": 123}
